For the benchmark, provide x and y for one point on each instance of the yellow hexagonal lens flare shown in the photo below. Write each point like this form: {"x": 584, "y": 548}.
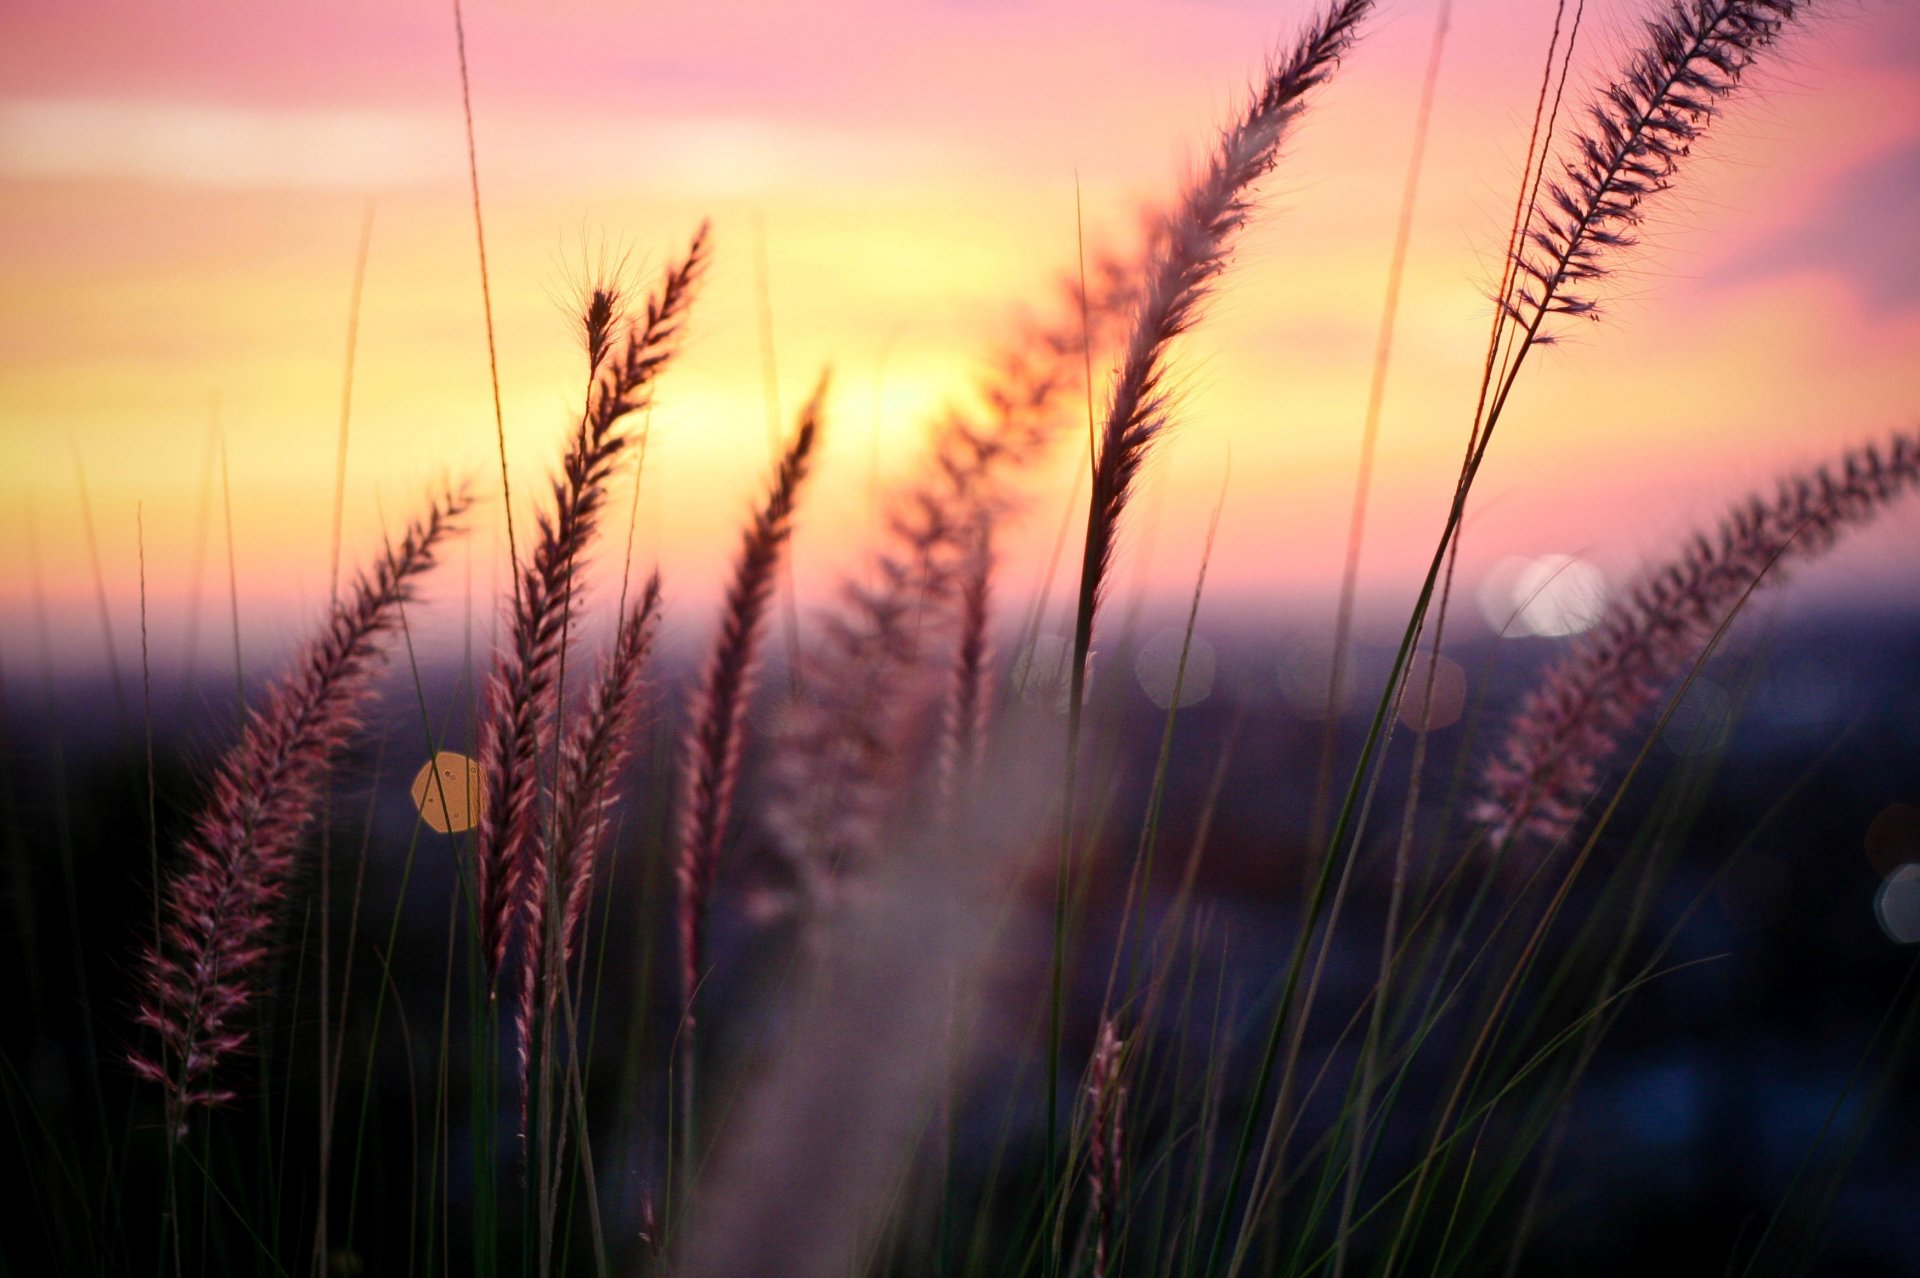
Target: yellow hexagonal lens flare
{"x": 450, "y": 793}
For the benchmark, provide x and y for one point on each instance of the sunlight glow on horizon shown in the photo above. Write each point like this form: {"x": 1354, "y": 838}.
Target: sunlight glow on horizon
{"x": 178, "y": 222}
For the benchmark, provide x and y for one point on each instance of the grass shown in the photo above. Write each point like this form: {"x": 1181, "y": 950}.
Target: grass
{"x": 916, "y": 960}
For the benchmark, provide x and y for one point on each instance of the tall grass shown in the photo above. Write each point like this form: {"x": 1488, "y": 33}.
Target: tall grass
{"x": 203, "y": 972}
{"x": 871, "y": 970}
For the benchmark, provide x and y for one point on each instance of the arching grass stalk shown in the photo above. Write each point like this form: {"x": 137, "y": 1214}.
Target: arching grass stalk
{"x": 1539, "y": 138}
{"x": 1494, "y": 1018}
{"x": 715, "y": 741}
{"x": 1186, "y": 264}
{"x": 1641, "y": 128}
{"x": 201, "y": 976}
{"x": 523, "y": 698}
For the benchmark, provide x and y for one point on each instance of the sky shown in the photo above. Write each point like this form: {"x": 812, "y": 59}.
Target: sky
{"x": 893, "y": 186}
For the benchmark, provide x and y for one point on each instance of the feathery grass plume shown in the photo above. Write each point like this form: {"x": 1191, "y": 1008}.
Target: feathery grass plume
{"x": 847, "y": 745}
{"x": 1106, "y": 1135}
{"x": 1582, "y": 710}
{"x": 520, "y": 712}
{"x": 1642, "y": 125}
{"x": 713, "y": 755}
{"x": 222, "y": 901}
{"x": 1190, "y": 256}
{"x": 963, "y": 735}
{"x": 594, "y": 752}
{"x": 591, "y": 758}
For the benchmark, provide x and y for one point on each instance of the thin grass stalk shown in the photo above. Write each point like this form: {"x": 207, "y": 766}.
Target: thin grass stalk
{"x": 1635, "y": 878}
{"x": 1902, "y": 1038}
{"x": 1336, "y": 690}
{"x": 201, "y": 978}
{"x": 1643, "y": 125}
{"x": 439, "y": 1164}
{"x": 233, "y": 590}
{"x": 1897, "y": 1054}
{"x": 592, "y": 757}
{"x": 1440, "y": 1003}
{"x": 326, "y": 826}
{"x": 1526, "y": 201}
{"x": 334, "y": 1053}
{"x": 1270, "y": 1165}
{"x": 575, "y": 1083}
{"x": 1370, "y": 428}
{"x": 1539, "y": 140}
{"x": 714, "y": 746}
{"x": 1554, "y": 1102}
{"x": 522, "y": 704}
{"x": 486, "y": 288}
{"x": 1677, "y": 927}
{"x": 1672, "y": 89}
{"x": 1140, "y": 873}
{"x": 1786, "y": 798}
{"x": 1173, "y": 926}
{"x": 435, "y": 737}
{"x": 1675, "y": 810}
{"x": 1514, "y": 349}
{"x": 1187, "y": 263}
{"x": 1640, "y": 129}
{"x": 169, "y": 1233}
{"x": 1494, "y": 1017}
{"x": 1546, "y": 1126}
{"x": 1470, "y": 1120}
{"x": 203, "y": 509}
{"x": 1437, "y": 1005}
{"x": 770, "y": 389}
{"x": 1269, "y": 1179}
{"x": 100, "y": 595}
{"x": 597, "y": 751}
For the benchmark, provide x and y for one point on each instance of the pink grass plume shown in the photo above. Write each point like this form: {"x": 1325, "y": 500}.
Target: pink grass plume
{"x": 1106, "y": 1137}
{"x": 1190, "y": 254}
{"x": 713, "y": 747}
{"x": 849, "y": 746}
{"x": 1583, "y": 710}
{"x": 595, "y": 751}
{"x": 521, "y": 704}
{"x": 201, "y": 976}
{"x": 1637, "y": 133}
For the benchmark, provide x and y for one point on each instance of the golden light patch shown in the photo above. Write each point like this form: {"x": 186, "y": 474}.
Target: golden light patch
{"x": 450, "y": 793}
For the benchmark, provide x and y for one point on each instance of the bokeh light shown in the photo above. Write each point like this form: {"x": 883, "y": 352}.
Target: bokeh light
{"x": 1550, "y": 595}
{"x": 1157, "y": 667}
{"x": 1897, "y": 905}
{"x": 1449, "y": 692}
{"x": 450, "y": 793}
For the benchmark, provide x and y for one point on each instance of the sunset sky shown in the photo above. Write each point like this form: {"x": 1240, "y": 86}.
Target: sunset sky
{"x": 183, "y": 185}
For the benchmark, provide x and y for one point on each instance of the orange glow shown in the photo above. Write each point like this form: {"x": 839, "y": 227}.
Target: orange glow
{"x": 181, "y": 194}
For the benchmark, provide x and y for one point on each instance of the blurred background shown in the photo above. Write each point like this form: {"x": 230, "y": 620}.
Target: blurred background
{"x": 183, "y": 189}
{"x": 896, "y": 189}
